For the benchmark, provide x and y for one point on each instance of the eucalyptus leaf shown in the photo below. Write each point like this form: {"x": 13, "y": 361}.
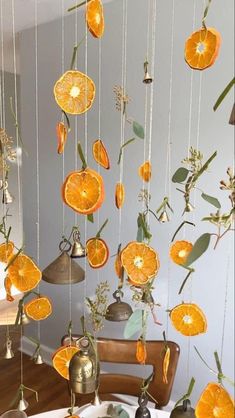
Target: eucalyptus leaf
{"x": 180, "y": 175}
{"x": 138, "y": 130}
{"x": 140, "y": 234}
{"x": 90, "y": 218}
{"x": 212, "y": 200}
{"x": 134, "y": 324}
{"x": 199, "y": 248}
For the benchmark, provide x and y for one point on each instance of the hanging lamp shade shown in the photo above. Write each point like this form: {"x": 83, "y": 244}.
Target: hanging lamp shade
{"x": 63, "y": 270}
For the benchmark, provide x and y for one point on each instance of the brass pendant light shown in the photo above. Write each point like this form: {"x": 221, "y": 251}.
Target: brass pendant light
{"x": 183, "y": 411}
{"x": 84, "y": 369}
{"x": 63, "y": 270}
{"x": 118, "y": 311}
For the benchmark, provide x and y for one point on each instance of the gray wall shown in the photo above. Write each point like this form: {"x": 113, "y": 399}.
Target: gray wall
{"x": 209, "y": 281}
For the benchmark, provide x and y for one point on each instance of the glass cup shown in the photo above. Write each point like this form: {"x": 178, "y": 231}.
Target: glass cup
{"x": 14, "y": 414}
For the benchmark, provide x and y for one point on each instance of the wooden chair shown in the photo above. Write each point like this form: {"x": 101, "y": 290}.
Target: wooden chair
{"x": 124, "y": 351}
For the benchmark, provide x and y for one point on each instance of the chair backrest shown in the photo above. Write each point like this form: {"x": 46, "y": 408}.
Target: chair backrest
{"x": 124, "y": 351}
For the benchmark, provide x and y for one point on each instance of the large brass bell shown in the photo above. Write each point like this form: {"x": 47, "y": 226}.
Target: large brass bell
{"x": 147, "y": 78}
{"x": 7, "y": 198}
{"x": 9, "y": 353}
{"x": 183, "y": 411}
{"x": 63, "y": 270}
{"x": 84, "y": 369}
{"x": 78, "y": 251}
{"x": 232, "y": 116}
{"x": 118, "y": 311}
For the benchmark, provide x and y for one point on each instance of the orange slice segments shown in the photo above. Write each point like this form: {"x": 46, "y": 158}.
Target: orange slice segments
{"x": 95, "y": 18}
{"x": 100, "y": 154}
{"x": 180, "y": 251}
{"x": 38, "y": 308}
{"x": 188, "y": 319}
{"x": 62, "y": 134}
{"x": 83, "y": 191}
{"x": 6, "y": 250}
{"x": 97, "y": 252}
{"x": 215, "y": 402}
{"x": 61, "y": 359}
{"x": 140, "y": 262}
{"x": 24, "y": 274}
{"x": 145, "y": 171}
{"x": 202, "y": 48}
{"x": 74, "y": 92}
{"x": 119, "y": 195}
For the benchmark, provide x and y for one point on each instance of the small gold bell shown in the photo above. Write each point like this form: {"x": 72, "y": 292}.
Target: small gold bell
{"x": 24, "y": 319}
{"x": 96, "y": 401}
{"x": 38, "y": 358}
{"x": 118, "y": 311}
{"x": 84, "y": 369}
{"x": 9, "y": 353}
{"x": 78, "y": 251}
{"x": 183, "y": 411}
{"x": 232, "y": 116}
{"x": 189, "y": 207}
{"x": 7, "y": 198}
{"x": 147, "y": 78}
{"x": 163, "y": 218}
{"x": 23, "y": 404}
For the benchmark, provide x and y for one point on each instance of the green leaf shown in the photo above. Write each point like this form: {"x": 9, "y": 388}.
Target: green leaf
{"x": 90, "y": 218}
{"x": 124, "y": 145}
{"x": 138, "y": 130}
{"x": 199, "y": 248}
{"x": 134, "y": 324}
{"x": 140, "y": 234}
{"x": 180, "y": 175}
{"x": 212, "y": 200}
{"x": 224, "y": 94}
{"x": 141, "y": 222}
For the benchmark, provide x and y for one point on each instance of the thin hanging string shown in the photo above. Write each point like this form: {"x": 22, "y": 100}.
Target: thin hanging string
{"x": 86, "y": 156}
{"x": 168, "y": 153}
{"x": 225, "y": 308}
{"x": 62, "y": 70}
{"x": 146, "y": 97}
{"x": 99, "y": 124}
{"x": 123, "y": 117}
{"x": 152, "y": 86}
{"x": 2, "y": 68}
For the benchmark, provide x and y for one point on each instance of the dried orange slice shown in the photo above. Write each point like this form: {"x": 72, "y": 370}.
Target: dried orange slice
{"x": 74, "y": 92}
{"x": 8, "y": 286}
{"x": 6, "y": 250}
{"x": 188, "y": 319}
{"x": 215, "y": 402}
{"x": 83, "y": 191}
{"x": 118, "y": 266}
{"x": 202, "y": 48}
{"x": 145, "y": 171}
{"x": 97, "y": 252}
{"x": 100, "y": 154}
{"x": 38, "y": 308}
{"x": 180, "y": 251}
{"x": 140, "y": 262}
{"x": 24, "y": 274}
{"x": 61, "y": 359}
{"x": 119, "y": 195}
{"x": 141, "y": 352}
{"x": 62, "y": 134}
{"x": 95, "y": 18}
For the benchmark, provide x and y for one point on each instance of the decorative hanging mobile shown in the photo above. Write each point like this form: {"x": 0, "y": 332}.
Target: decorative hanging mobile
{"x": 202, "y": 47}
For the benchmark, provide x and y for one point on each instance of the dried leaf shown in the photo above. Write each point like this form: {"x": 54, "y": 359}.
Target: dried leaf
{"x": 180, "y": 175}
{"x": 212, "y": 200}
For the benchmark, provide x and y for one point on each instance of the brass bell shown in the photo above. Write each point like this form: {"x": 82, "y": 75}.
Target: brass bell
{"x": 183, "y": 411}
{"x": 7, "y": 198}
{"x": 96, "y": 401}
{"x": 189, "y": 207}
{"x": 38, "y": 358}
{"x": 232, "y": 116}
{"x": 23, "y": 404}
{"x": 142, "y": 411}
{"x": 14, "y": 413}
{"x": 118, "y": 311}
{"x": 24, "y": 320}
{"x": 78, "y": 251}
{"x": 163, "y": 218}
{"x": 9, "y": 353}
{"x": 84, "y": 369}
{"x": 63, "y": 270}
{"x": 147, "y": 78}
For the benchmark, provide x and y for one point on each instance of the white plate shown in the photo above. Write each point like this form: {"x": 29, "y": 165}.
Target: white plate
{"x": 91, "y": 411}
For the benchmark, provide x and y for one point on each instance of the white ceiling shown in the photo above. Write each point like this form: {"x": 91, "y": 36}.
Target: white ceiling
{"x": 24, "y": 11}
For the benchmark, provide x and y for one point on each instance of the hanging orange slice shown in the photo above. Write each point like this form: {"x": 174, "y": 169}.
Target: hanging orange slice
{"x": 97, "y": 252}
{"x": 62, "y": 134}
{"x": 202, "y": 48}
{"x": 24, "y": 274}
{"x": 180, "y": 251}
{"x": 145, "y": 171}
{"x": 95, "y": 18}
{"x": 140, "y": 262}
{"x": 6, "y": 250}
{"x": 74, "y": 92}
{"x": 61, "y": 359}
{"x": 215, "y": 402}
{"x": 38, "y": 308}
{"x": 84, "y": 191}
{"x": 119, "y": 195}
{"x": 141, "y": 351}
{"x": 118, "y": 266}
{"x": 8, "y": 286}
{"x": 100, "y": 154}
{"x": 188, "y": 319}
